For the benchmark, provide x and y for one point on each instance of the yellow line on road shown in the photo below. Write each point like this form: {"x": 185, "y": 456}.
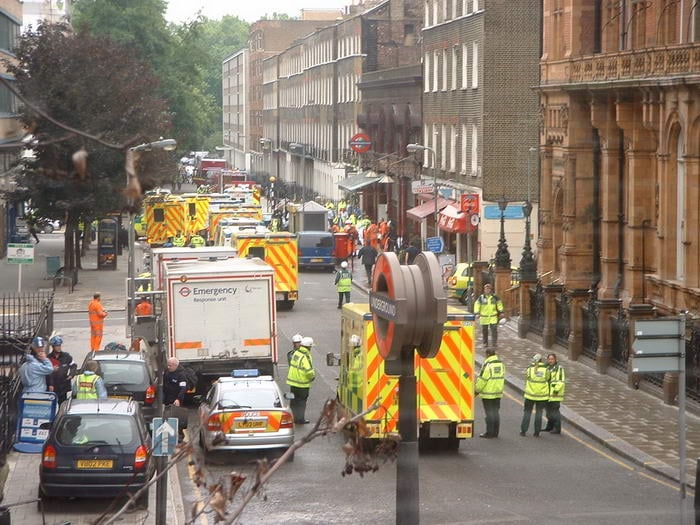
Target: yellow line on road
{"x": 675, "y": 487}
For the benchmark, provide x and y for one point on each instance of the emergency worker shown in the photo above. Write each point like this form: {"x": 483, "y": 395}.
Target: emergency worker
{"x": 343, "y": 283}
{"x": 300, "y": 375}
{"x": 488, "y": 307}
{"x": 97, "y": 316}
{"x": 557, "y": 385}
{"x": 179, "y": 240}
{"x": 197, "y": 241}
{"x": 489, "y": 385}
{"x": 64, "y": 368}
{"x": 89, "y": 385}
{"x": 372, "y": 235}
{"x": 296, "y": 343}
{"x": 174, "y": 390}
{"x": 535, "y": 395}
{"x": 144, "y": 308}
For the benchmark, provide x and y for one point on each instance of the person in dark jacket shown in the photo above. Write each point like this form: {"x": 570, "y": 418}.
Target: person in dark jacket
{"x": 174, "y": 390}
{"x": 59, "y": 381}
{"x": 368, "y": 254}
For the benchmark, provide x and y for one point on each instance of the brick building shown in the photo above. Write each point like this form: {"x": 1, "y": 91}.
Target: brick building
{"x": 620, "y": 157}
{"x": 480, "y": 117}
{"x": 235, "y": 111}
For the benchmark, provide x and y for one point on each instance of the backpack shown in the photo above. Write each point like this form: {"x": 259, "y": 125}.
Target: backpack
{"x": 190, "y": 378}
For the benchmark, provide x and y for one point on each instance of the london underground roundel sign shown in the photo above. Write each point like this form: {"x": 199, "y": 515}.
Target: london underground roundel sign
{"x": 360, "y": 143}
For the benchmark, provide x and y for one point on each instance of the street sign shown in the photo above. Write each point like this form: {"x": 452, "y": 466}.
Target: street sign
{"x": 419, "y": 187}
{"x": 643, "y": 365}
{"x": 164, "y": 436}
{"x": 435, "y": 244}
{"x": 655, "y": 347}
{"x": 469, "y": 203}
{"x": 658, "y": 327}
{"x": 34, "y": 409}
{"x": 20, "y": 253}
{"x": 360, "y": 143}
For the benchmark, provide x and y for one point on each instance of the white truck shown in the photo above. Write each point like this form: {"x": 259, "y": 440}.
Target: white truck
{"x": 159, "y": 256}
{"x": 221, "y": 315}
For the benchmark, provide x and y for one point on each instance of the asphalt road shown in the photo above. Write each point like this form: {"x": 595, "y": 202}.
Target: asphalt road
{"x": 551, "y": 479}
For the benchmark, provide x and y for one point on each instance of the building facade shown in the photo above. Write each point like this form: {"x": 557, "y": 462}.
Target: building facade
{"x": 236, "y": 118}
{"x": 620, "y": 180}
{"x": 480, "y": 117}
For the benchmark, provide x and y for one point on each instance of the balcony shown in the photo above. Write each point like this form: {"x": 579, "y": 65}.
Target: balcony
{"x": 635, "y": 67}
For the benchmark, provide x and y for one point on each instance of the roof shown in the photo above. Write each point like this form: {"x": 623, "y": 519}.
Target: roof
{"x": 427, "y": 208}
{"x": 100, "y": 406}
{"x": 118, "y": 355}
{"x": 312, "y": 206}
{"x": 357, "y": 182}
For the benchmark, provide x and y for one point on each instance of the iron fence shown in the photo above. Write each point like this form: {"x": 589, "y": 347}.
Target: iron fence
{"x": 563, "y": 319}
{"x": 620, "y": 339}
{"x": 692, "y": 361}
{"x": 537, "y": 309}
{"x": 590, "y": 313}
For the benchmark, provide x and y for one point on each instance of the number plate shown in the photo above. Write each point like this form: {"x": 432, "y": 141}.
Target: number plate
{"x": 317, "y": 259}
{"x": 95, "y": 463}
{"x": 251, "y": 424}
{"x": 119, "y": 397}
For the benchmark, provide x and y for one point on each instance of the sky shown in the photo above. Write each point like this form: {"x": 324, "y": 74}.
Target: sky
{"x": 248, "y": 10}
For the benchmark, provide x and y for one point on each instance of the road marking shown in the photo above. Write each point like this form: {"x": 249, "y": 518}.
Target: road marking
{"x": 677, "y": 488}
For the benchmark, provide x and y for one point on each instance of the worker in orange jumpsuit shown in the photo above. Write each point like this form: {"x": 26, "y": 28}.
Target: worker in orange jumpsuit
{"x": 353, "y": 236}
{"x": 97, "y": 315}
{"x": 143, "y": 309}
{"x": 384, "y": 233}
{"x": 372, "y": 235}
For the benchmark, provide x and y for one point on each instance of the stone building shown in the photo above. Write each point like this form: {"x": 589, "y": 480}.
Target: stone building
{"x": 480, "y": 109}
{"x": 620, "y": 175}
{"x": 236, "y": 121}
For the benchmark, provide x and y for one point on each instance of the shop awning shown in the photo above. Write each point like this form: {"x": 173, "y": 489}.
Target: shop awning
{"x": 420, "y": 212}
{"x": 452, "y": 220}
{"x": 357, "y": 182}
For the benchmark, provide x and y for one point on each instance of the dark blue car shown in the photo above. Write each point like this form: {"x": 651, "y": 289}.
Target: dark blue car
{"x": 316, "y": 250}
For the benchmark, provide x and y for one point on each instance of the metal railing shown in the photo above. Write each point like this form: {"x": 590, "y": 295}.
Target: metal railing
{"x": 590, "y": 326}
{"x": 563, "y": 320}
{"x": 692, "y": 361}
{"x": 620, "y": 338}
{"x": 537, "y": 309}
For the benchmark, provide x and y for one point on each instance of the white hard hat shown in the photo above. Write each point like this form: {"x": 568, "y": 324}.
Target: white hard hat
{"x": 344, "y": 264}
{"x": 307, "y": 342}
{"x": 296, "y": 338}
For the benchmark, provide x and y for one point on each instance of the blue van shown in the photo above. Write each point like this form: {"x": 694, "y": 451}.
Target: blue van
{"x": 316, "y": 250}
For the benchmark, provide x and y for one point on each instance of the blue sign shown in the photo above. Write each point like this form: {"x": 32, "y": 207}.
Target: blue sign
{"x": 35, "y": 409}
{"x": 435, "y": 244}
{"x": 514, "y": 211}
{"x": 164, "y": 436}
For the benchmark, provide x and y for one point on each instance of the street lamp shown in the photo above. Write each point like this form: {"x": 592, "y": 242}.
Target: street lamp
{"x": 412, "y": 148}
{"x": 502, "y": 253}
{"x": 271, "y": 196}
{"x": 299, "y": 149}
{"x": 528, "y": 267}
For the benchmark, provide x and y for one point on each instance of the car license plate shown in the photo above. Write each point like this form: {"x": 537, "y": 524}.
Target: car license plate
{"x": 251, "y": 424}
{"x": 119, "y": 397}
{"x": 317, "y": 259}
{"x": 95, "y": 463}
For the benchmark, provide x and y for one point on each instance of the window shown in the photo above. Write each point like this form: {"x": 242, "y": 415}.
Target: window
{"x": 444, "y": 70}
{"x": 426, "y": 20}
{"x": 465, "y": 69}
{"x": 475, "y": 6}
{"x": 8, "y": 101}
{"x": 434, "y": 145}
{"x": 454, "y": 68}
{"x": 426, "y": 73}
{"x": 435, "y": 12}
{"x": 475, "y": 150}
{"x": 463, "y": 149}
{"x": 443, "y": 148}
{"x": 475, "y": 65}
{"x": 453, "y": 148}
{"x": 9, "y": 31}
{"x": 435, "y": 70}
{"x": 426, "y": 141}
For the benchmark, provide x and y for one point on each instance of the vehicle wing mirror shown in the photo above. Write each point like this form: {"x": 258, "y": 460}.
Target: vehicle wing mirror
{"x": 332, "y": 359}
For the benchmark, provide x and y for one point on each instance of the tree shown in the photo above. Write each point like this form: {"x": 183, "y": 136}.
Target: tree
{"x": 102, "y": 89}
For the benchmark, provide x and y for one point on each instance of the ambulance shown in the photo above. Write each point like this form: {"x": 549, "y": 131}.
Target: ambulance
{"x": 445, "y": 383}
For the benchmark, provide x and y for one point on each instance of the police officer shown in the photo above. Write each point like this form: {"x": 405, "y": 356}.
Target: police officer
{"x": 300, "y": 375}
{"x": 59, "y": 381}
{"x": 174, "y": 390}
{"x": 488, "y": 307}
{"x": 557, "y": 385}
{"x": 489, "y": 385}
{"x": 343, "y": 283}
{"x": 536, "y": 394}
{"x": 296, "y": 343}
{"x": 89, "y": 385}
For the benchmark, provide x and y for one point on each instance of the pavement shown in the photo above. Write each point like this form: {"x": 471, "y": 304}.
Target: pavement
{"x": 636, "y": 424}
{"x": 22, "y": 469}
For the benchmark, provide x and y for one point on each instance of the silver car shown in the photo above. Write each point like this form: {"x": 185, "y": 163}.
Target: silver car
{"x": 245, "y": 413}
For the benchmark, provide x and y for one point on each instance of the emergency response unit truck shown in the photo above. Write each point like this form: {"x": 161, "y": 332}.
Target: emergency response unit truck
{"x": 157, "y": 257}
{"x": 445, "y": 383}
{"x": 221, "y": 315}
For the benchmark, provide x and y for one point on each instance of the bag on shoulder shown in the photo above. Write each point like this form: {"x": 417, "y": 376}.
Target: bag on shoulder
{"x": 191, "y": 378}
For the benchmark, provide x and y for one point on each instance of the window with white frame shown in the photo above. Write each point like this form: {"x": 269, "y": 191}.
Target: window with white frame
{"x": 444, "y": 10}
{"x": 453, "y": 15}
{"x": 465, "y": 68}
{"x": 444, "y": 70}
{"x": 443, "y": 147}
{"x": 434, "y": 145}
{"x": 475, "y": 150}
{"x": 453, "y": 148}
{"x": 475, "y": 6}
{"x": 435, "y": 12}
{"x": 454, "y": 68}
{"x": 435, "y": 70}
{"x": 426, "y": 141}
{"x": 475, "y": 65}
{"x": 426, "y": 14}
{"x": 463, "y": 149}
{"x": 426, "y": 72}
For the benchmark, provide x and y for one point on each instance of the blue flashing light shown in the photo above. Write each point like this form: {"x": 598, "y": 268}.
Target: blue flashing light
{"x": 245, "y": 372}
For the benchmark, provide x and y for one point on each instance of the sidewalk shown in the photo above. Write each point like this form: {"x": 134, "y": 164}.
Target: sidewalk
{"x": 22, "y": 481}
{"x": 632, "y": 423}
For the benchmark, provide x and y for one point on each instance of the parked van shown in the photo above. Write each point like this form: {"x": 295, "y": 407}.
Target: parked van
{"x": 316, "y": 250}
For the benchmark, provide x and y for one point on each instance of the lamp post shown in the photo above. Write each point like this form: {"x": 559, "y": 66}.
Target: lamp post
{"x": 502, "y": 253}
{"x": 411, "y": 148}
{"x": 271, "y": 196}
{"x": 528, "y": 268}
{"x": 296, "y": 148}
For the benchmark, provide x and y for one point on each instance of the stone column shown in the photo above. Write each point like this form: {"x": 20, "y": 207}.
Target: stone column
{"x": 607, "y": 308}
{"x": 578, "y": 298}
{"x": 546, "y": 251}
{"x": 524, "y": 303}
{"x": 503, "y": 277}
{"x": 635, "y": 312}
{"x": 550, "y": 314}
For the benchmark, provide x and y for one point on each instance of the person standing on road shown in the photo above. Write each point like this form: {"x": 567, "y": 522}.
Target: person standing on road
{"x": 488, "y": 308}
{"x": 35, "y": 368}
{"x": 89, "y": 385}
{"x": 557, "y": 385}
{"x": 490, "y": 385}
{"x": 343, "y": 283}
{"x": 300, "y": 375}
{"x": 174, "y": 390}
{"x": 97, "y": 316}
{"x": 535, "y": 395}
{"x": 368, "y": 254}
{"x": 59, "y": 381}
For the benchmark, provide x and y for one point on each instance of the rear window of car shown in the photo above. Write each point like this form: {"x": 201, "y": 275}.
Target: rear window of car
{"x": 105, "y": 429}
{"x": 316, "y": 240}
{"x": 127, "y": 373}
{"x": 249, "y": 397}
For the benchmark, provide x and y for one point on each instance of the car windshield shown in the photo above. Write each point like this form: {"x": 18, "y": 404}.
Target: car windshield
{"x": 316, "y": 240}
{"x": 249, "y": 398}
{"x": 123, "y": 373}
{"x": 103, "y": 429}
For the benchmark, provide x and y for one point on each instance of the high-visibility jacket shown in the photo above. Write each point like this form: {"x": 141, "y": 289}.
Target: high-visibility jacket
{"x": 197, "y": 241}
{"x": 144, "y": 308}
{"x": 301, "y": 370}
{"x": 488, "y": 307}
{"x": 86, "y": 386}
{"x": 557, "y": 383}
{"x": 343, "y": 281}
{"x": 179, "y": 240}
{"x": 537, "y": 382}
{"x": 492, "y": 378}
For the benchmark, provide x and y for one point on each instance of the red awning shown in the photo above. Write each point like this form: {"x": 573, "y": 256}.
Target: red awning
{"x": 420, "y": 212}
{"x": 452, "y": 220}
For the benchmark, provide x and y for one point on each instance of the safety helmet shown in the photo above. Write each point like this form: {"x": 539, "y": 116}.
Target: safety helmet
{"x": 308, "y": 342}
{"x": 38, "y": 342}
{"x": 296, "y": 338}
{"x": 56, "y": 340}
{"x": 344, "y": 264}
